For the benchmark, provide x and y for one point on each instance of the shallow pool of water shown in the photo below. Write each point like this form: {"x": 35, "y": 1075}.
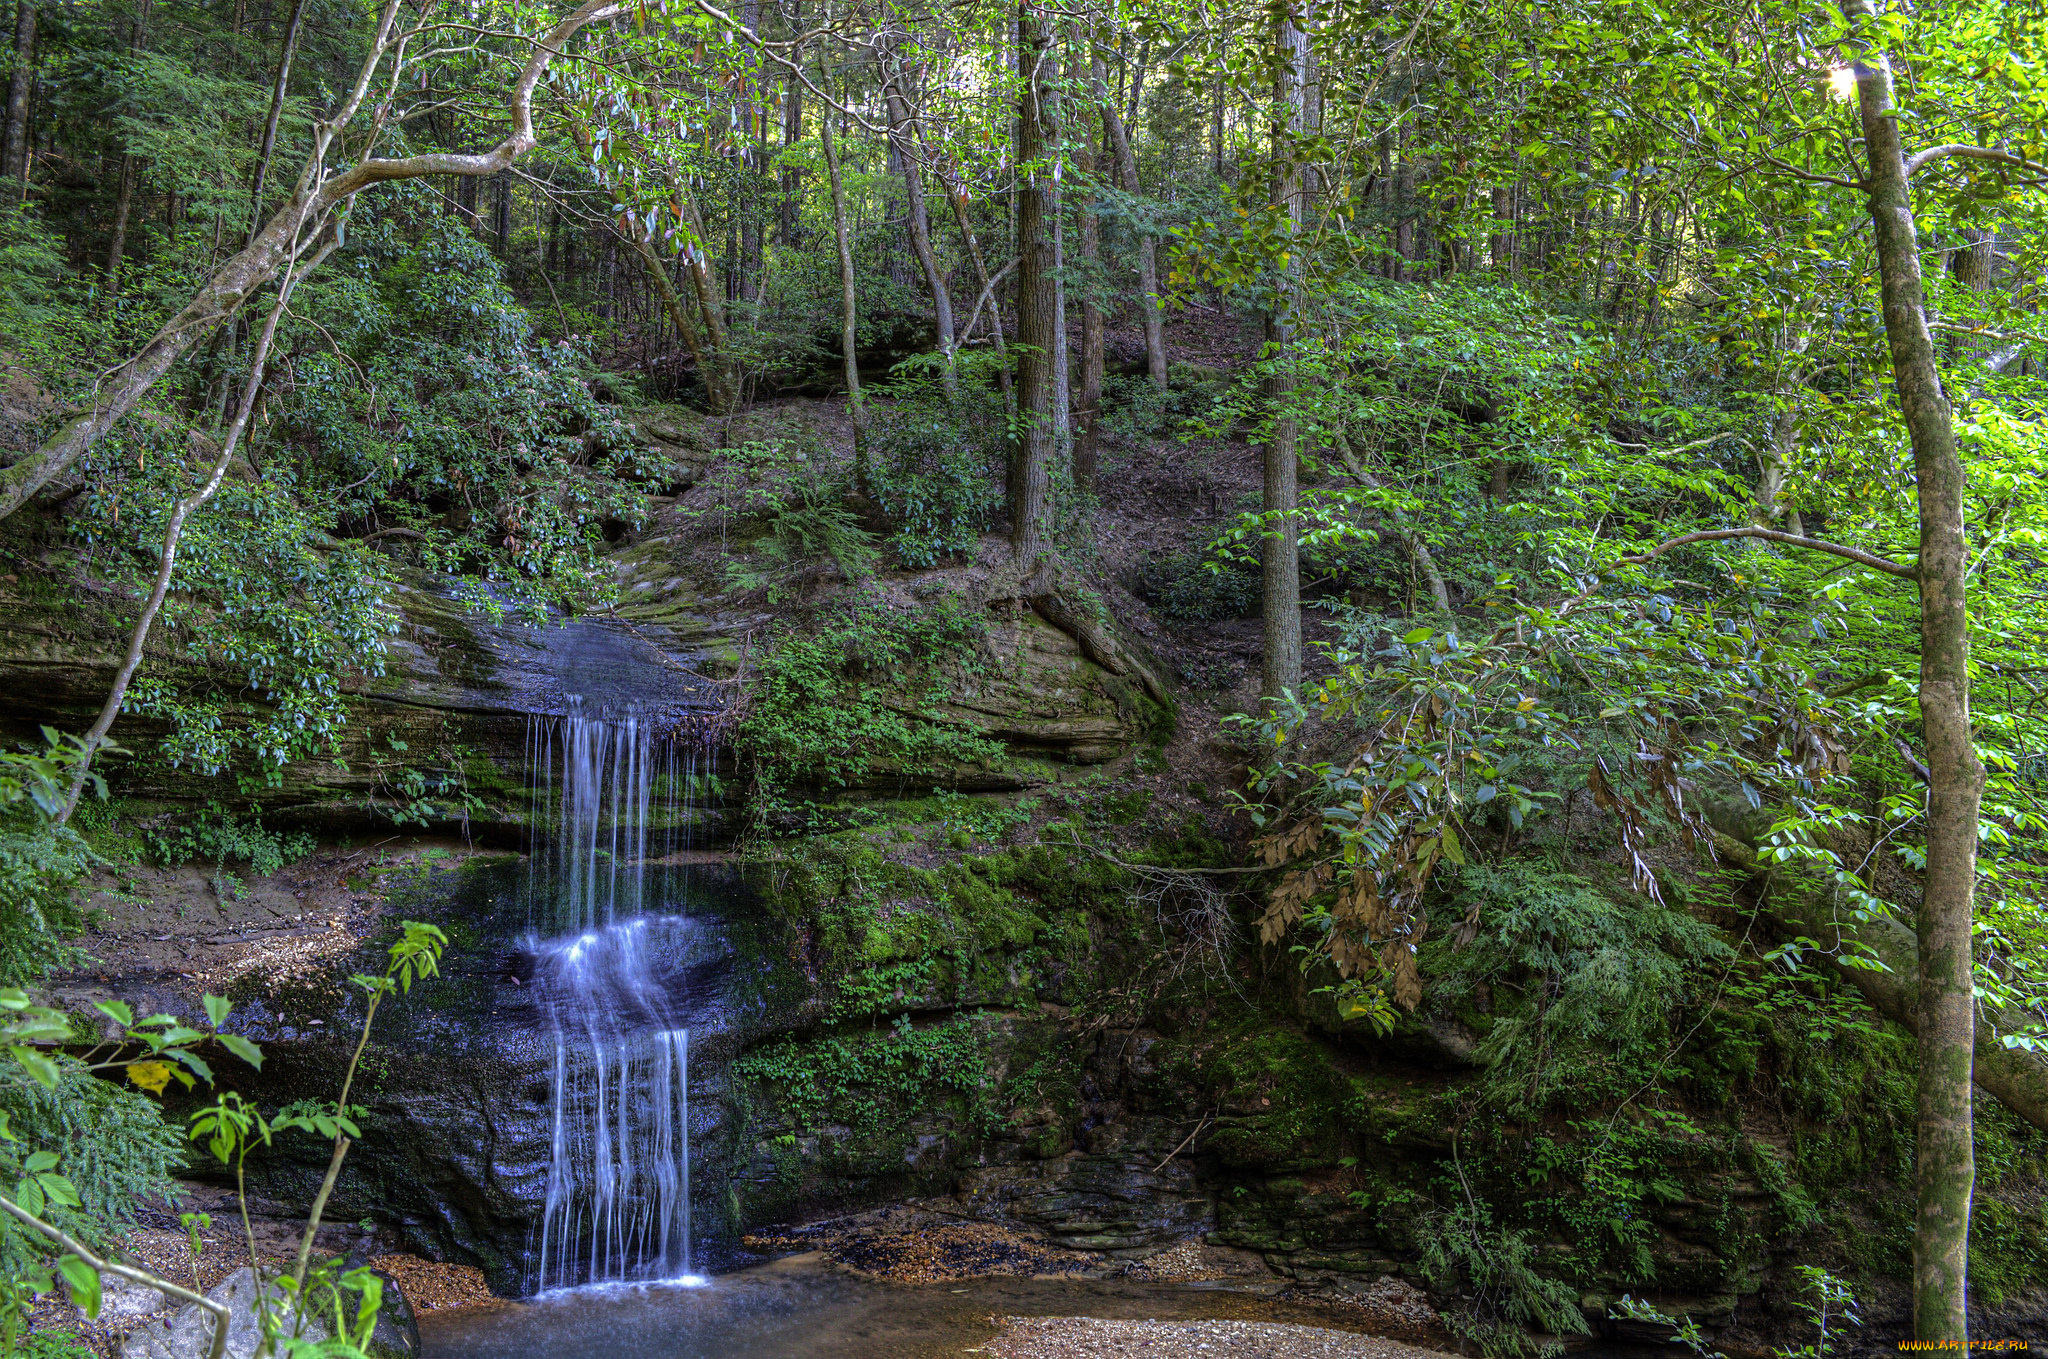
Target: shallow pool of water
{"x": 802, "y": 1308}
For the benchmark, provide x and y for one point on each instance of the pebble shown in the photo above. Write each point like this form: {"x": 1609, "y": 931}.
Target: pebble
{"x": 1092, "y": 1338}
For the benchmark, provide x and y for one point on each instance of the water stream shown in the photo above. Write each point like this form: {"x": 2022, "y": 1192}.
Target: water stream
{"x": 804, "y": 1308}
{"x": 610, "y": 793}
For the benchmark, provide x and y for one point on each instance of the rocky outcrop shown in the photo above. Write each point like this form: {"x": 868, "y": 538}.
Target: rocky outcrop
{"x": 189, "y": 1333}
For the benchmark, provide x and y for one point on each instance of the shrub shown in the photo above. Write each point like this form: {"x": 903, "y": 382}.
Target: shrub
{"x": 932, "y": 472}
{"x": 1190, "y": 588}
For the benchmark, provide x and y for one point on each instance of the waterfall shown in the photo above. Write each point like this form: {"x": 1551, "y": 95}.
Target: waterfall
{"x": 608, "y": 788}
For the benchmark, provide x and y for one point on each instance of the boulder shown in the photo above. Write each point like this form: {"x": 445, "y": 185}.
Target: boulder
{"x": 188, "y": 1334}
{"x": 122, "y": 1301}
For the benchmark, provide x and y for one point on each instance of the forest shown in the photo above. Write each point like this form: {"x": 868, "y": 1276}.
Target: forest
{"x": 1061, "y": 678}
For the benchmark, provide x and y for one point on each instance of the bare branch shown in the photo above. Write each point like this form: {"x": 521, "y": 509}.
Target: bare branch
{"x": 1963, "y": 151}
{"x": 221, "y": 1313}
{"x": 1854, "y": 554}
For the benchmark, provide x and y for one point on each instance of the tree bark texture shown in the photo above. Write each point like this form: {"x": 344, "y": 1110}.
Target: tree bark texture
{"x": 849, "y": 314}
{"x": 1030, "y": 489}
{"x": 1945, "y": 1167}
{"x": 1280, "y": 551}
{"x": 1148, "y": 245}
{"x": 21, "y": 81}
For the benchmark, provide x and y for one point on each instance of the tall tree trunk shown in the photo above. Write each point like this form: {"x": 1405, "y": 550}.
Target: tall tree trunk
{"x": 268, "y": 147}
{"x": 1062, "y": 353}
{"x": 721, "y": 385}
{"x": 849, "y": 314}
{"x": 1280, "y": 552}
{"x": 501, "y": 211}
{"x": 1148, "y": 245}
{"x": 20, "y": 81}
{"x": 1086, "y": 452}
{"x": 124, "y": 204}
{"x": 131, "y": 167}
{"x": 792, "y": 179}
{"x": 1774, "y": 463}
{"x": 1944, "y": 1164}
{"x": 672, "y": 303}
{"x": 900, "y": 135}
{"x": 1030, "y": 489}
{"x": 1404, "y": 210}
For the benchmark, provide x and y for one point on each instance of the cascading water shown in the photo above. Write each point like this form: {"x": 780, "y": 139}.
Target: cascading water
{"x": 611, "y": 789}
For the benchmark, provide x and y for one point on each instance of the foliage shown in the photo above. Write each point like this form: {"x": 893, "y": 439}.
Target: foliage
{"x": 215, "y": 833}
{"x": 1190, "y": 587}
{"x": 114, "y": 1145}
{"x": 1492, "y": 1270}
{"x": 1613, "y": 973}
{"x": 862, "y": 691}
{"x": 884, "y": 1079}
{"x": 929, "y": 468}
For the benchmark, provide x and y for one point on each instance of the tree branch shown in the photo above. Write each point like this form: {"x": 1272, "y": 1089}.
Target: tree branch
{"x": 1963, "y": 151}
{"x": 221, "y": 1313}
{"x": 1854, "y": 554}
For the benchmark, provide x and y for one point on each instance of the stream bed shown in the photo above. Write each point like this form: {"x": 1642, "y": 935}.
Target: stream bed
{"x": 802, "y": 1307}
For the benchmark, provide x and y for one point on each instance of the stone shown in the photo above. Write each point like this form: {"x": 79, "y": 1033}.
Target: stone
{"x": 189, "y": 1333}
{"x": 123, "y": 1301}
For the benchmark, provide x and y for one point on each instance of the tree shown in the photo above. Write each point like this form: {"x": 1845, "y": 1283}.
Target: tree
{"x": 320, "y": 196}
{"x": 1030, "y": 491}
{"x": 1280, "y": 552}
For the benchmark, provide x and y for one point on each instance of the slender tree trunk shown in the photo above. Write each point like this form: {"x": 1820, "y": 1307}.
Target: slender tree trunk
{"x": 721, "y": 387}
{"x": 501, "y": 211}
{"x": 672, "y": 303}
{"x": 920, "y": 221}
{"x": 268, "y": 147}
{"x": 1086, "y": 452}
{"x": 131, "y": 166}
{"x": 1030, "y": 489}
{"x": 1062, "y": 353}
{"x": 124, "y": 204}
{"x": 1280, "y": 551}
{"x": 849, "y": 314}
{"x": 1148, "y": 245}
{"x": 792, "y": 179}
{"x": 958, "y": 198}
{"x": 1944, "y": 1164}
{"x": 174, "y": 530}
{"x": 279, "y": 243}
{"x": 1771, "y": 509}
{"x": 20, "y": 81}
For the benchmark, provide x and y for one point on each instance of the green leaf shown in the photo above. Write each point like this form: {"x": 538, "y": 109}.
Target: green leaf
{"x": 217, "y": 1008}
{"x": 116, "y": 1011}
{"x": 39, "y": 1161}
{"x": 1419, "y": 635}
{"x": 60, "y": 1190}
{"x": 243, "y": 1049}
{"x": 85, "y": 1284}
{"x": 37, "y": 1065}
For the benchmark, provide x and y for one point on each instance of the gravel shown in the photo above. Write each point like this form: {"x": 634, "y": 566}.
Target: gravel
{"x": 1090, "y": 1338}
